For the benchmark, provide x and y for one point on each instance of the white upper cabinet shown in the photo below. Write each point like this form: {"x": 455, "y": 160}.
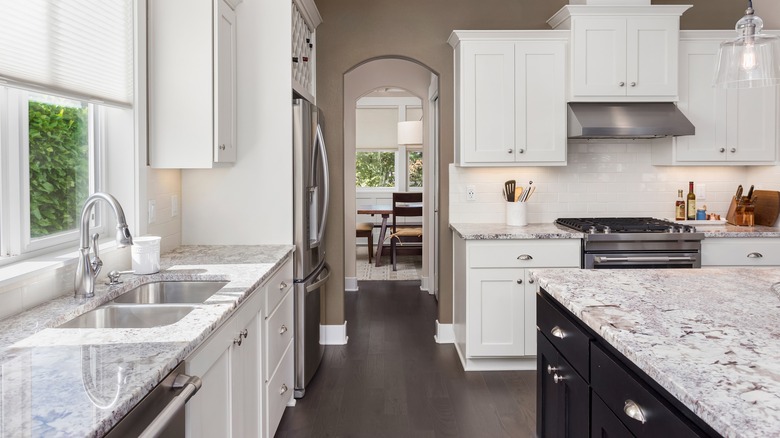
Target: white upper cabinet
{"x": 735, "y": 126}
{"x": 622, "y": 53}
{"x": 192, "y": 83}
{"x": 510, "y": 97}
{"x": 305, "y": 19}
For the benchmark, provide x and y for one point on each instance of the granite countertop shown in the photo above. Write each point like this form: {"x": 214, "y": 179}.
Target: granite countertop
{"x": 501, "y": 231}
{"x": 710, "y": 337}
{"x": 81, "y": 382}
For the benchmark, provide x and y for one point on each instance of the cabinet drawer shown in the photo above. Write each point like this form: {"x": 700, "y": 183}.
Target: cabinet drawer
{"x": 617, "y": 387}
{"x": 564, "y": 334}
{"x": 740, "y": 252}
{"x": 278, "y": 392}
{"x": 278, "y": 333}
{"x": 548, "y": 253}
{"x": 278, "y": 285}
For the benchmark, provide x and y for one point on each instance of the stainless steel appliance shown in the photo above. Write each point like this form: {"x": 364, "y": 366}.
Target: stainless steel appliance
{"x": 310, "y": 208}
{"x": 630, "y": 243}
{"x": 161, "y": 412}
{"x": 627, "y": 120}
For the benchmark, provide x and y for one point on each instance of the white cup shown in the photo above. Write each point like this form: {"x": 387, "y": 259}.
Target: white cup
{"x": 517, "y": 214}
{"x": 145, "y": 253}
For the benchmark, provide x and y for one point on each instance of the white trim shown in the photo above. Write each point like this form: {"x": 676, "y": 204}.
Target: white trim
{"x": 424, "y": 285}
{"x": 350, "y": 284}
{"x": 445, "y": 333}
{"x": 527, "y": 363}
{"x": 293, "y": 401}
{"x": 334, "y": 334}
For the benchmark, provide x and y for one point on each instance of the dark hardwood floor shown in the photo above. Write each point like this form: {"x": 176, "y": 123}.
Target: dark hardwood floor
{"x": 393, "y": 380}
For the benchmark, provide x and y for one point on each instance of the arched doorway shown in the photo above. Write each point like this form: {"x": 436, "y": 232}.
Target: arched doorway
{"x": 418, "y": 81}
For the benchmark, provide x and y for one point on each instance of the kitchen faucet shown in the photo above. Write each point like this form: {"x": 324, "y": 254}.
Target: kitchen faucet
{"x": 87, "y": 270}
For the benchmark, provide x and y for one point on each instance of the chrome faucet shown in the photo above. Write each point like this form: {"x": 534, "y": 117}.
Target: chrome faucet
{"x": 88, "y": 269}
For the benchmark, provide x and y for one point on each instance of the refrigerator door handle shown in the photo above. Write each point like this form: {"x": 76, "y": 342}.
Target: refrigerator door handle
{"x": 317, "y": 284}
{"x": 320, "y": 141}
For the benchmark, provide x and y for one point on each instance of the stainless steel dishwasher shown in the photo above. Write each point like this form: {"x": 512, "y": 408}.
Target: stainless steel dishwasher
{"x": 161, "y": 412}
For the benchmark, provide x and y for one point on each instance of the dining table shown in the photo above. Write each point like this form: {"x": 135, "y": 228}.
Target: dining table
{"x": 382, "y": 209}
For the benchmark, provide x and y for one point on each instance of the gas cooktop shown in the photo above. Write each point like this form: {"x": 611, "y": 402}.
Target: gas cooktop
{"x": 607, "y": 225}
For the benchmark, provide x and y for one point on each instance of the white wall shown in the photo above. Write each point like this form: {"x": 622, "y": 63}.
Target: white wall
{"x": 250, "y": 202}
{"x": 600, "y": 180}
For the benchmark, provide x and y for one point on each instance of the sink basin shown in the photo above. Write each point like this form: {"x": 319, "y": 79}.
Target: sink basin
{"x": 171, "y": 292}
{"x": 130, "y": 316}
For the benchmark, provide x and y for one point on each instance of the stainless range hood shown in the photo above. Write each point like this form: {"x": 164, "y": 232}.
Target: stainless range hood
{"x": 627, "y": 120}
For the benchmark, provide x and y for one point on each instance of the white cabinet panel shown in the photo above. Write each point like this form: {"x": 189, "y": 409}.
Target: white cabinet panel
{"x": 208, "y": 413}
{"x": 745, "y": 251}
{"x": 496, "y": 313}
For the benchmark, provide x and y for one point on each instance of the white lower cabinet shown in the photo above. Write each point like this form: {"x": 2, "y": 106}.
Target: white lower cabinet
{"x": 240, "y": 396}
{"x": 740, "y": 251}
{"x": 494, "y": 316}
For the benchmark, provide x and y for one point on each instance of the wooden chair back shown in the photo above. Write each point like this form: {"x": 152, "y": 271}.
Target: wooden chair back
{"x": 401, "y": 207}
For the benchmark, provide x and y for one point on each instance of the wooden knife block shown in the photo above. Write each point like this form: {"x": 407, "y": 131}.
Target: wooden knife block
{"x": 766, "y": 207}
{"x": 741, "y": 213}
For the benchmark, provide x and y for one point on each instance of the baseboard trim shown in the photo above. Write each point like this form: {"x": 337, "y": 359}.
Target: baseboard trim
{"x": 527, "y": 363}
{"x": 350, "y": 284}
{"x": 334, "y": 334}
{"x": 424, "y": 284}
{"x": 445, "y": 333}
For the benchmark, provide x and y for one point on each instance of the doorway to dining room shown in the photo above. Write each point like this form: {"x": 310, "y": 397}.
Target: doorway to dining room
{"x": 383, "y": 99}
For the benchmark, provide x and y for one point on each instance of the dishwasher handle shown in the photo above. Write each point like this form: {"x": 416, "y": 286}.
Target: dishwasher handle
{"x": 189, "y": 386}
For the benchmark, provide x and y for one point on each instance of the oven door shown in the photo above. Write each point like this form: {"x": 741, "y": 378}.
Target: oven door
{"x": 641, "y": 260}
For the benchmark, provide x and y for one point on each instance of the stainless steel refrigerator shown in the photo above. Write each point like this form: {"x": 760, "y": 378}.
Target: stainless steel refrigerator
{"x": 311, "y": 193}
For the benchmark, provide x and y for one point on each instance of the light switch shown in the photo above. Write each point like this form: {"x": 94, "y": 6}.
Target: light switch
{"x": 701, "y": 192}
{"x": 174, "y": 205}
{"x": 152, "y": 211}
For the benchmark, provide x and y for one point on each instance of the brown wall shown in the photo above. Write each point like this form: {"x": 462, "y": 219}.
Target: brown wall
{"x": 354, "y": 31}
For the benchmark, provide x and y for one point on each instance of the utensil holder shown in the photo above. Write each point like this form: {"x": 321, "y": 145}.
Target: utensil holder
{"x": 517, "y": 214}
{"x": 145, "y": 254}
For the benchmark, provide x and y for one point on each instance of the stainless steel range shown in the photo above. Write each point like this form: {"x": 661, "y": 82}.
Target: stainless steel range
{"x": 631, "y": 243}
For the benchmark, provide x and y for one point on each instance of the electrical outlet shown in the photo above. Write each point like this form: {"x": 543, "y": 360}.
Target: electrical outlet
{"x": 152, "y": 211}
{"x": 701, "y": 192}
{"x": 471, "y": 193}
{"x": 174, "y": 205}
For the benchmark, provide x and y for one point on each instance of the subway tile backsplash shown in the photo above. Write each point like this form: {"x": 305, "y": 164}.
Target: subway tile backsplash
{"x": 601, "y": 179}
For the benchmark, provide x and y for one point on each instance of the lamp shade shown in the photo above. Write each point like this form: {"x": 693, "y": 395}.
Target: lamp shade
{"x": 752, "y": 59}
{"x": 410, "y": 132}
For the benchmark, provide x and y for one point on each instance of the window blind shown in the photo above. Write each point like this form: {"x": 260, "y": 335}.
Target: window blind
{"x": 376, "y": 128}
{"x": 79, "y": 48}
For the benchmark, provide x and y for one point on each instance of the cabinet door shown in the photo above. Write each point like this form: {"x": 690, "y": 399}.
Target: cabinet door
{"x": 208, "y": 413}
{"x": 599, "y": 56}
{"x": 752, "y": 128}
{"x": 604, "y": 423}
{"x": 540, "y": 104}
{"x": 246, "y": 385}
{"x": 530, "y": 290}
{"x": 488, "y": 108}
{"x": 703, "y": 104}
{"x": 652, "y": 47}
{"x": 548, "y": 417}
{"x": 225, "y": 87}
{"x": 496, "y": 313}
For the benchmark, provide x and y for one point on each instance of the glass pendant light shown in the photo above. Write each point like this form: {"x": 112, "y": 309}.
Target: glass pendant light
{"x": 752, "y": 59}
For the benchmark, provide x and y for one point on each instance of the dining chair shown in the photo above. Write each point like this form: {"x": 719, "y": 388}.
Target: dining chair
{"x": 366, "y": 229}
{"x": 405, "y": 235}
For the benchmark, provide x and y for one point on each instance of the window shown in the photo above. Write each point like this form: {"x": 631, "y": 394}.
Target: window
{"x": 52, "y": 166}
{"x": 414, "y": 162}
{"x": 375, "y": 169}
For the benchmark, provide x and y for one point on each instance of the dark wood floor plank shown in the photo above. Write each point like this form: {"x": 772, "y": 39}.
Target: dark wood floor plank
{"x": 393, "y": 380}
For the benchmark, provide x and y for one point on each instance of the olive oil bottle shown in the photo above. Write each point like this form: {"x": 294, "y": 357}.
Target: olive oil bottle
{"x": 691, "y": 203}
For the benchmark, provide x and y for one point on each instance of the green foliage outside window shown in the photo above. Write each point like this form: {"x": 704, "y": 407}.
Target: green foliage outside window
{"x": 375, "y": 169}
{"x": 59, "y": 166}
{"x": 415, "y": 162}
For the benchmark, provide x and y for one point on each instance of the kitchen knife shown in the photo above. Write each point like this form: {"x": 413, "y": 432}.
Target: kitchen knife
{"x": 750, "y": 193}
{"x": 739, "y": 192}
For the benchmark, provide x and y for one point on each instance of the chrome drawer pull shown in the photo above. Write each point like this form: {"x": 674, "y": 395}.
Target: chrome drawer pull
{"x": 755, "y": 255}
{"x": 557, "y": 332}
{"x": 634, "y": 411}
{"x": 282, "y": 286}
{"x": 557, "y": 378}
{"x": 283, "y": 389}
{"x": 524, "y": 257}
{"x": 282, "y": 329}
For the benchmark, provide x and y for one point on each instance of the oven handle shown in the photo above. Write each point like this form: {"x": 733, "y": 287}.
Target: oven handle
{"x": 643, "y": 259}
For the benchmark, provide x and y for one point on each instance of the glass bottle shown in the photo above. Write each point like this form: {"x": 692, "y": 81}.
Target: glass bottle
{"x": 691, "y": 203}
{"x": 679, "y": 207}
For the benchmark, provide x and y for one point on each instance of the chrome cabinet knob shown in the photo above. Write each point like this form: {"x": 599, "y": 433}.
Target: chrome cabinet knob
{"x": 282, "y": 286}
{"x": 509, "y": 151}
{"x": 722, "y": 150}
{"x": 550, "y": 369}
{"x": 222, "y": 147}
{"x": 732, "y": 150}
{"x": 622, "y": 84}
{"x": 557, "y": 332}
{"x": 520, "y": 281}
{"x": 244, "y": 333}
{"x": 557, "y": 378}
{"x": 531, "y": 280}
{"x": 633, "y": 84}
{"x": 282, "y": 329}
{"x": 521, "y": 151}
{"x": 634, "y": 411}
{"x": 237, "y": 341}
{"x": 283, "y": 389}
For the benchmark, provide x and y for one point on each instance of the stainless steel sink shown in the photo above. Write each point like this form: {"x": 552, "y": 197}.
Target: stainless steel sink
{"x": 130, "y": 316}
{"x": 166, "y": 292}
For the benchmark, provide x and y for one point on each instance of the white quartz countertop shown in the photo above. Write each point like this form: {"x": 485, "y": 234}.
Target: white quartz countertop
{"x": 70, "y": 382}
{"x": 710, "y": 337}
{"x": 501, "y": 231}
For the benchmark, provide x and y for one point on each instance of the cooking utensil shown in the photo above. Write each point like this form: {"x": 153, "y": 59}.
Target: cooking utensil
{"x": 530, "y": 192}
{"x": 767, "y": 207}
{"x": 518, "y": 193}
{"x": 509, "y": 190}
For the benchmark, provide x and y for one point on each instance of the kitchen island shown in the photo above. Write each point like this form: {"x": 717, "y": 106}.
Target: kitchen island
{"x": 81, "y": 382}
{"x": 708, "y": 337}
